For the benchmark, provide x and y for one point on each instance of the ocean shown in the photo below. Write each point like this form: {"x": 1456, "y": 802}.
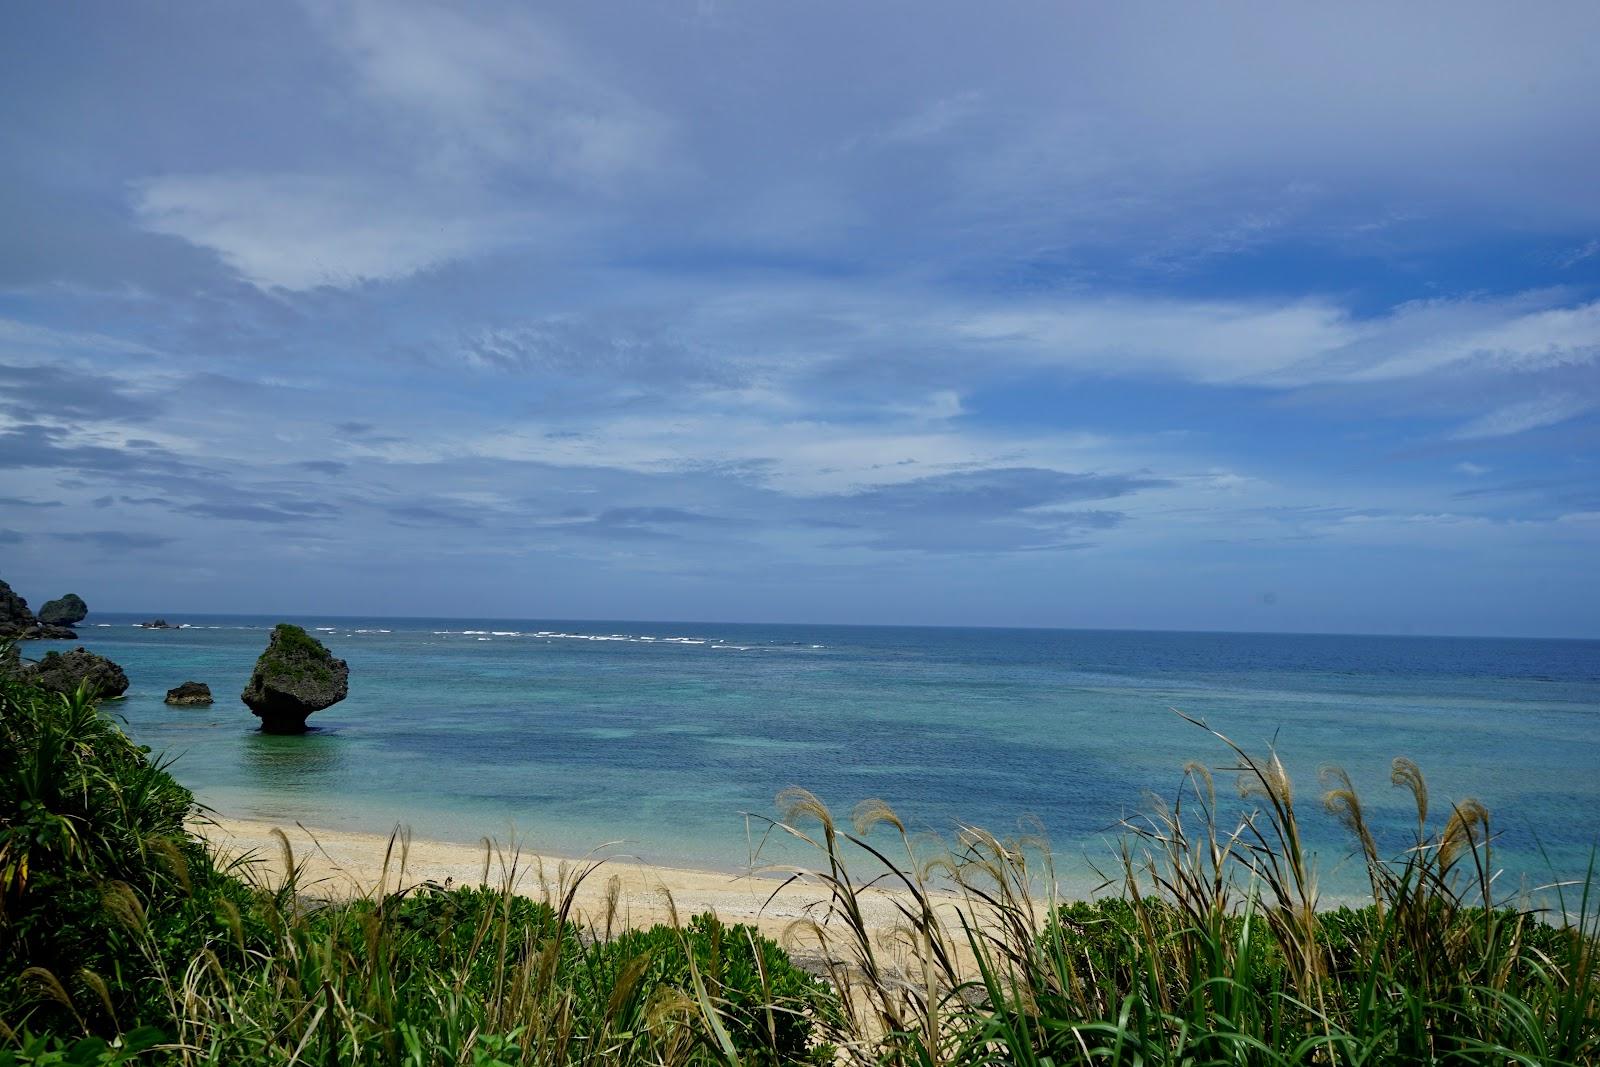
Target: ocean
{"x": 669, "y": 741}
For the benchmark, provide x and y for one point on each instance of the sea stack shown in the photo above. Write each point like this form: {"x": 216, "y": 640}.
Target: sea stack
{"x": 63, "y": 672}
{"x": 294, "y": 677}
{"x": 68, "y": 611}
{"x": 190, "y": 695}
{"x": 17, "y": 621}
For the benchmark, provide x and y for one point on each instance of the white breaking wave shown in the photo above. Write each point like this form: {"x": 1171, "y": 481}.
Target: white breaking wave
{"x": 637, "y": 639}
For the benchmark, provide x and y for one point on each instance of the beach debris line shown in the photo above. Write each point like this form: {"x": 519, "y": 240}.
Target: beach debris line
{"x": 294, "y": 677}
{"x": 189, "y": 695}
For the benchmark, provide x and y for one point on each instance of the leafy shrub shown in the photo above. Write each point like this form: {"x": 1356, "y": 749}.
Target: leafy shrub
{"x": 95, "y": 863}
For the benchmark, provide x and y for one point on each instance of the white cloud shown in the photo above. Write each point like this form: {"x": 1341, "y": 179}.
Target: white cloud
{"x": 1526, "y": 415}
{"x": 502, "y": 92}
{"x": 1212, "y": 342}
{"x": 1303, "y": 343}
{"x": 301, "y": 231}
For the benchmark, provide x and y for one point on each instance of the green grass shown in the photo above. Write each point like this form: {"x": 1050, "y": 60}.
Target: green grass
{"x": 123, "y": 940}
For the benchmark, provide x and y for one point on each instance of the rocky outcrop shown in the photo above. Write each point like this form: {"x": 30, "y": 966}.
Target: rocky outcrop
{"x": 190, "y": 695}
{"x": 14, "y": 613}
{"x": 63, "y": 672}
{"x": 68, "y": 611}
{"x": 158, "y": 624}
{"x": 17, "y": 621}
{"x": 294, "y": 677}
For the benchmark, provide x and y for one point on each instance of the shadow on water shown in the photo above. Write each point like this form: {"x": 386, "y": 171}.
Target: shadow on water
{"x": 312, "y": 761}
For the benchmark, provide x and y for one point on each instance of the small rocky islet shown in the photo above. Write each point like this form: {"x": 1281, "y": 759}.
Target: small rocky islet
{"x": 189, "y": 695}
{"x": 64, "y": 672}
{"x": 294, "y": 677}
{"x": 19, "y": 623}
{"x": 65, "y": 611}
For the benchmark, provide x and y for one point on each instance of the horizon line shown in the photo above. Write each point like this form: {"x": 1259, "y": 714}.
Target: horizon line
{"x": 858, "y": 625}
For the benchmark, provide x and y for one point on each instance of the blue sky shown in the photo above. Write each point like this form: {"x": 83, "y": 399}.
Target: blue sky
{"x": 1247, "y": 316}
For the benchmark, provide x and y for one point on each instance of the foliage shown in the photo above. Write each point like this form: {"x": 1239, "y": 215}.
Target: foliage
{"x": 1215, "y": 951}
{"x": 92, "y": 839}
{"x": 122, "y": 941}
{"x": 117, "y": 922}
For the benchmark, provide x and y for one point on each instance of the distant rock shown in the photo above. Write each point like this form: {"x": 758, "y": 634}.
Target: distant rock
{"x": 158, "y": 624}
{"x": 68, "y": 611}
{"x": 63, "y": 672}
{"x": 190, "y": 695}
{"x": 294, "y": 677}
{"x": 17, "y": 621}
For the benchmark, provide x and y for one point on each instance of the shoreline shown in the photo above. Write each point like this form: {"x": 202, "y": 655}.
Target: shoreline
{"x": 343, "y": 864}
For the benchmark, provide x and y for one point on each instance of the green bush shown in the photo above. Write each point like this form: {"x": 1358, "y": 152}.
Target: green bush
{"x": 116, "y": 921}
{"x": 95, "y": 865}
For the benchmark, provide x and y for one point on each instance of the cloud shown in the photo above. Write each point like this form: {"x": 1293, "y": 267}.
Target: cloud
{"x": 988, "y": 493}
{"x": 1527, "y": 415}
{"x": 646, "y": 523}
{"x": 469, "y": 106}
{"x": 63, "y": 392}
{"x": 365, "y": 433}
{"x": 428, "y": 515}
{"x": 114, "y": 540}
{"x": 330, "y": 467}
{"x": 271, "y": 511}
{"x": 502, "y": 91}
{"x": 18, "y": 502}
{"x": 31, "y": 445}
{"x": 984, "y": 511}
{"x": 656, "y": 516}
{"x": 608, "y": 348}
{"x": 302, "y": 231}
{"x": 1287, "y": 345}
{"x": 11, "y": 537}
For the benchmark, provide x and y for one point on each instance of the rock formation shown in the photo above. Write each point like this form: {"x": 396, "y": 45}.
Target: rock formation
{"x": 190, "y": 695}
{"x": 158, "y": 624}
{"x": 17, "y": 621}
{"x": 68, "y": 611}
{"x": 62, "y": 672}
{"x": 294, "y": 677}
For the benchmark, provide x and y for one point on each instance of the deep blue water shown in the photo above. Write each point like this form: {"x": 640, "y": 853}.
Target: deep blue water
{"x": 660, "y": 735}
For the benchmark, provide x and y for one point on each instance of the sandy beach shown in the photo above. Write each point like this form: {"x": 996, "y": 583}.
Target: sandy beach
{"x": 343, "y": 863}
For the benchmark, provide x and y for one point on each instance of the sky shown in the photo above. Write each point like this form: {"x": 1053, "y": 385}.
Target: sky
{"x": 1244, "y": 316}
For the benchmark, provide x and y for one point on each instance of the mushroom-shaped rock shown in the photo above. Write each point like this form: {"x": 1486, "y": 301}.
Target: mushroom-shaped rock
{"x": 190, "y": 695}
{"x": 158, "y": 624}
{"x": 294, "y": 677}
{"x": 68, "y": 611}
{"x": 63, "y": 672}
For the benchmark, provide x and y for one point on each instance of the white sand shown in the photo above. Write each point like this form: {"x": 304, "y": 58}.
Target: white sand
{"x": 341, "y": 863}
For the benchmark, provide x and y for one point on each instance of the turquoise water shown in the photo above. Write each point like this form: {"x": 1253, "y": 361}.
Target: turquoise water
{"x": 574, "y": 734}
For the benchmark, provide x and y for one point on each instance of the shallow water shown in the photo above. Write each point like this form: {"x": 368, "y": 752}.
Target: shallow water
{"x": 572, "y": 734}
